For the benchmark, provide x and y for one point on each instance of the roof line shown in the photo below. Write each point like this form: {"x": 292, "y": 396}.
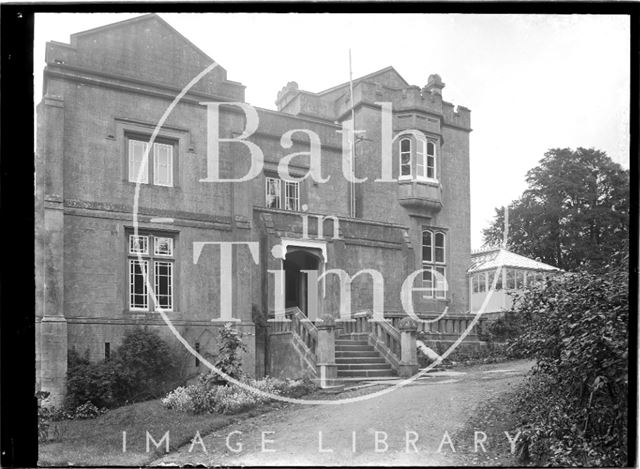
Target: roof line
{"x": 477, "y": 256}
{"x": 486, "y": 249}
{"x": 369, "y": 75}
{"x": 136, "y": 19}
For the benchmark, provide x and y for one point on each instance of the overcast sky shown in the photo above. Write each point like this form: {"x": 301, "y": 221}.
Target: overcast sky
{"x": 532, "y": 82}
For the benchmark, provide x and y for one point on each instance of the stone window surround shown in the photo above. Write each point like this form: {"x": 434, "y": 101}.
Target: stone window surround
{"x": 270, "y": 170}
{"x": 180, "y": 139}
{"x": 434, "y": 230}
{"x": 151, "y": 232}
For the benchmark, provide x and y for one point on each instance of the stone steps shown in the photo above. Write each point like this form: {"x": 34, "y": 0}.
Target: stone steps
{"x": 365, "y": 373}
{"x": 357, "y": 359}
{"x": 363, "y": 366}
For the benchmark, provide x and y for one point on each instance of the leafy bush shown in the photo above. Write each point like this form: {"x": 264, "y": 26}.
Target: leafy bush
{"x": 574, "y": 409}
{"x": 85, "y": 411}
{"x": 147, "y": 366}
{"x": 501, "y": 329}
{"x": 229, "y": 349}
{"x": 89, "y": 382}
{"x": 143, "y": 367}
{"x": 48, "y": 416}
{"x": 204, "y": 396}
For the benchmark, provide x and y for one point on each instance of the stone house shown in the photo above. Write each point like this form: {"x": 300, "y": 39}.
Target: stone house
{"x": 103, "y": 96}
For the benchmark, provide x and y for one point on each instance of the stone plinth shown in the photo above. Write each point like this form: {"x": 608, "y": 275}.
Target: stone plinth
{"x": 326, "y": 352}
{"x": 408, "y": 351}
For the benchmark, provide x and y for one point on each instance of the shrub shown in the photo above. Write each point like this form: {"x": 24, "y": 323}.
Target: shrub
{"x": 230, "y": 399}
{"x": 85, "y": 411}
{"x": 143, "y": 367}
{"x": 49, "y": 416}
{"x": 229, "y": 349}
{"x": 501, "y": 329}
{"x": 180, "y": 399}
{"x": 91, "y": 382}
{"x": 146, "y": 365}
{"x": 574, "y": 408}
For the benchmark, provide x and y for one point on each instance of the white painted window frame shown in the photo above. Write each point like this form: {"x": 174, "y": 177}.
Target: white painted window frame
{"x": 156, "y": 283}
{"x": 440, "y": 294}
{"x": 435, "y": 161}
{"x": 145, "y": 269}
{"x": 157, "y": 147}
{"x": 151, "y": 259}
{"x": 134, "y": 165}
{"x": 444, "y": 247}
{"x": 296, "y": 199}
{"x": 131, "y": 244}
{"x": 156, "y": 243}
{"x": 278, "y": 192}
{"x": 400, "y": 155}
{"x": 431, "y": 259}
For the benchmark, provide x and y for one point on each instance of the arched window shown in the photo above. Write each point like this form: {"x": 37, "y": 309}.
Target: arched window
{"x": 427, "y": 246}
{"x": 433, "y": 260}
{"x": 431, "y": 160}
{"x": 440, "y": 248}
{"x": 405, "y": 158}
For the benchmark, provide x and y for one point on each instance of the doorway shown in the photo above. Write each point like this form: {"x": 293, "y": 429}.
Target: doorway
{"x": 294, "y": 263}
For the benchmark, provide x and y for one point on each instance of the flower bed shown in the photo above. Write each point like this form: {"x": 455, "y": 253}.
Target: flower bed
{"x": 204, "y": 396}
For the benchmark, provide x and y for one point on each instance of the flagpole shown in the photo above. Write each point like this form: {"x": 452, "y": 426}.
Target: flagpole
{"x": 353, "y": 142}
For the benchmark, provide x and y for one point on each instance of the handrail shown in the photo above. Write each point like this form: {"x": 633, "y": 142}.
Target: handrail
{"x": 387, "y": 341}
{"x": 303, "y": 327}
{"x": 304, "y": 334}
{"x": 358, "y": 325}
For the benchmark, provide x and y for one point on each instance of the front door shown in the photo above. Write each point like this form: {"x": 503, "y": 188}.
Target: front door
{"x": 295, "y": 280}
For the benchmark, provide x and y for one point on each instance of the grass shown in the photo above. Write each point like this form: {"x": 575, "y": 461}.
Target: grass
{"x": 98, "y": 442}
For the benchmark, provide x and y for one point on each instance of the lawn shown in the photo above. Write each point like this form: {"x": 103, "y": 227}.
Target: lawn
{"x": 98, "y": 442}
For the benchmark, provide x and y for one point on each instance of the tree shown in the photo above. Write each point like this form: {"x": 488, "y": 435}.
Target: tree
{"x": 574, "y": 213}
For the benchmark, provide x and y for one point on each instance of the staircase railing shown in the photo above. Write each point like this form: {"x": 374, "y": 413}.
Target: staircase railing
{"x": 304, "y": 329}
{"x": 304, "y": 335}
{"x": 386, "y": 339}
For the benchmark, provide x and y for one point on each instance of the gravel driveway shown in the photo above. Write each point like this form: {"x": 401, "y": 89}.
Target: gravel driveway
{"x": 410, "y": 425}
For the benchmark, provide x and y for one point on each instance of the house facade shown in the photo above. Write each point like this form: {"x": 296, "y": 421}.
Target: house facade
{"x": 98, "y": 275}
{"x": 516, "y": 273}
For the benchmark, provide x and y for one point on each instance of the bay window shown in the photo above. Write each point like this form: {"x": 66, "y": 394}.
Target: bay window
{"x": 418, "y": 163}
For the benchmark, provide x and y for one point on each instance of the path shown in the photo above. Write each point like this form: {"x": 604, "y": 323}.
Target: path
{"x": 421, "y": 412}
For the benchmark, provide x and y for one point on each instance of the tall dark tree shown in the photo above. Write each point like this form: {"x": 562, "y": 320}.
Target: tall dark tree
{"x": 574, "y": 213}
